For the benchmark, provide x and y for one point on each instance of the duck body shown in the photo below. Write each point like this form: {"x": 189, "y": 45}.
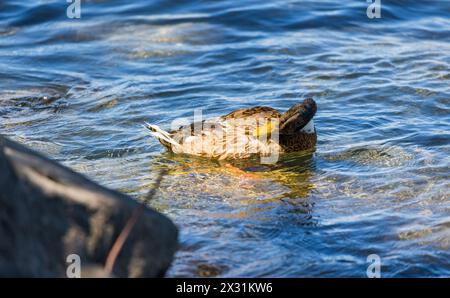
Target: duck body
{"x": 244, "y": 132}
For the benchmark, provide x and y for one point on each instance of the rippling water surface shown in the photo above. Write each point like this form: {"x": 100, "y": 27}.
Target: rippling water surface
{"x": 80, "y": 90}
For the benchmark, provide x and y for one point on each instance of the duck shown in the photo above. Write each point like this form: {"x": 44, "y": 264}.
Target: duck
{"x": 244, "y": 132}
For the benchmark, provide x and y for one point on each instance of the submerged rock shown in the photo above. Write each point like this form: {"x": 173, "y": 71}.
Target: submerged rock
{"x": 48, "y": 212}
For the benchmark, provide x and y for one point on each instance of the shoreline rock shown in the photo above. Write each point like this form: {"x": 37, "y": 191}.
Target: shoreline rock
{"x": 48, "y": 212}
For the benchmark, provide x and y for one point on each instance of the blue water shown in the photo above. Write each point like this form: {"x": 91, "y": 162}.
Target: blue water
{"x": 79, "y": 91}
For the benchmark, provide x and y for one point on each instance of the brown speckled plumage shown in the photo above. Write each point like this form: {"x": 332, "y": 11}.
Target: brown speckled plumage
{"x": 266, "y": 112}
{"x": 244, "y": 132}
{"x": 298, "y": 142}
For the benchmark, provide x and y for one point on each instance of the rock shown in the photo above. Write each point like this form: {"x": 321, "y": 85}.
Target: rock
{"x": 48, "y": 212}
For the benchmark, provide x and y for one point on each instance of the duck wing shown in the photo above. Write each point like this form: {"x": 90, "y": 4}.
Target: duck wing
{"x": 254, "y": 112}
{"x": 231, "y": 135}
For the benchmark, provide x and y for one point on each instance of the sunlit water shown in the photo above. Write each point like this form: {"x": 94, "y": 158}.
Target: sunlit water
{"x": 378, "y": 183}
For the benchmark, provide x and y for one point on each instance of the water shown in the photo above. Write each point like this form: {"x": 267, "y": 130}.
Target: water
{"x": 378, "y": 183}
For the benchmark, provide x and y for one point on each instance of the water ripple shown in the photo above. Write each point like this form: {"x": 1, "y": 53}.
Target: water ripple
{"x": 79, "y": 91}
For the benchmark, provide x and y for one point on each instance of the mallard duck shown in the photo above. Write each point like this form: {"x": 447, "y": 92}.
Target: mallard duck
{"x": 239, "y": 134}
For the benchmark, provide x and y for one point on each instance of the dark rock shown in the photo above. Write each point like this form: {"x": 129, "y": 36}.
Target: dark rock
{"x": 48, "y": 212}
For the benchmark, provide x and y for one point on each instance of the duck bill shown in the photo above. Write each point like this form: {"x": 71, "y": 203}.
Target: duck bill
{"x": 265, "y": 129}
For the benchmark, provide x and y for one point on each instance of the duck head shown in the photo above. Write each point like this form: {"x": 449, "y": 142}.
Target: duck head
{"x": 296, "y": 127}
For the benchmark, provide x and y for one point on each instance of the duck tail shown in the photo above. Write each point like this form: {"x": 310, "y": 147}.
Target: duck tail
{"x": 162, "y": 135}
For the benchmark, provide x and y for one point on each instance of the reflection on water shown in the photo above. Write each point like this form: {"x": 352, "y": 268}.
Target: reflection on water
{"x": 378, "y": 182}
{"x": 239, "y": 188}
